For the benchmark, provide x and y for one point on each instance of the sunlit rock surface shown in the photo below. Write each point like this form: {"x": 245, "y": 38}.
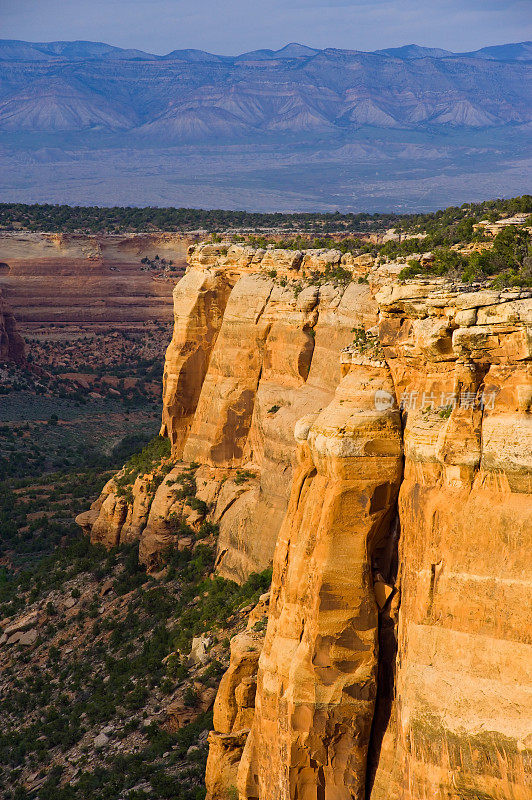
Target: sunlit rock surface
{"x": 388, "y": 475}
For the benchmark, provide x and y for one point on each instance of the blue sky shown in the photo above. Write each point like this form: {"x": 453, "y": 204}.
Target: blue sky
{"x": 234, "y": 26}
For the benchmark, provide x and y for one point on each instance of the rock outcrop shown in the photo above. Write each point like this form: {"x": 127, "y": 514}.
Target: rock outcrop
{"x": 458, "y": 721}
{"x": 318, "y": 668}
{"x": 11, "y": 342}
{"x": 455, "y": 724}
{"x": 396, "y": 659}
{"x": 252, "y": 352}
{"x": 234, "y": 707}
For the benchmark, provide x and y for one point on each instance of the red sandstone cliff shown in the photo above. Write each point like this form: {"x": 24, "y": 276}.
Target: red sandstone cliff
{"x": 396, "y": 661}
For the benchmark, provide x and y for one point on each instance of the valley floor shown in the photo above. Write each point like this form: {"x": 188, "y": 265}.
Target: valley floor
{"x": 372, "y": 170}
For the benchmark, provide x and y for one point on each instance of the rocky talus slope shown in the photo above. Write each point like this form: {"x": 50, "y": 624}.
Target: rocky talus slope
{"x": 396, "y": 658}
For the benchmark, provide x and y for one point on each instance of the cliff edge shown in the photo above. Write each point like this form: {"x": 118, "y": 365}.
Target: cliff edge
{"x": 396, "y": 658}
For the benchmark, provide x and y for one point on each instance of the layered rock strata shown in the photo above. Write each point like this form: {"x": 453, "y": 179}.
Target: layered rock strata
{"x": 456, "y": 723}
{"x": 396, "y": 660}
{"x": 317, "y": 676}
{"x": 101, "y": 277}
{"x": 459, "y": 721}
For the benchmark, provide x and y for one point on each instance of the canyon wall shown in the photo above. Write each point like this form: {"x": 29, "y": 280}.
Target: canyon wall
{"x": 85, "y": 278}
{"x": 374, "y": 439}
{"x": 250, "y": 355}
{"x": 460, "y": 723}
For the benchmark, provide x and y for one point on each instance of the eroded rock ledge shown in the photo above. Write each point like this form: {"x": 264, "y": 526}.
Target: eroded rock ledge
{"x": 396, "y": 660}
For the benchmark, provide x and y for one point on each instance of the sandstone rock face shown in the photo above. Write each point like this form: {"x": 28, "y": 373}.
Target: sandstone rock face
{"x": 199, "y": 652}
{"x": 199, "y": 304}
{"x": 317, "y": 676}
{"x": 276, "y": 359}
{"x": 396, "y": 660}
{"x": 234, "y": 707}
{"x": 225, "y": 406}
{"x": 248, "y": 358}
{"x": 431, "y": 702}
{"x": 11, "y": 342}
{"x": 459, "y": 725}
{"x": 106, "y": 528}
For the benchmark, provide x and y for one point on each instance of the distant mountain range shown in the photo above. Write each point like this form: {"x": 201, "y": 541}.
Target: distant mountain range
{"x": 194, "y": 96}
{"x": 291, "y": 129}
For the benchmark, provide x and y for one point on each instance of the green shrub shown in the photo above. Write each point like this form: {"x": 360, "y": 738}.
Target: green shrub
{"x": 175, "y": 669}
{"x": 243, "y": 475}
{"x": 414, "y": 268}
{"x": 331, "y": 274}
{"x": 198, "y": 505}
{"x": 142, "y": 463}
{"x": 191, "y": 698}
{"x": 207, "y": 529}
{"x": 188, "y": 486}
{"x": 507, "y": 263}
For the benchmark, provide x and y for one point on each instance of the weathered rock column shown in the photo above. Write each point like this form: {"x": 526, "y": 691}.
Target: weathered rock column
{"x": 234, "y": 707}
{"x": 317, "y": 676}
{"x": 199, "y": 303}
{"x": 11, "y": 342}
{"x": 460, "y": 722}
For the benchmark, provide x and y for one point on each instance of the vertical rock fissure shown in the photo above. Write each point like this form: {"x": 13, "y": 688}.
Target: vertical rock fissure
{"x": 387, "y": 642}
{"x": 387, "y": 652}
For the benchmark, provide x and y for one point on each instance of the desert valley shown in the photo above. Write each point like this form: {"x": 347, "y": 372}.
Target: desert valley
{"x": 295, "y": 128}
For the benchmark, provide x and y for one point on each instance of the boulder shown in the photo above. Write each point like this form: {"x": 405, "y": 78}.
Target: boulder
{"x": 101, "y": 741}
{"x": 199, "y": 652}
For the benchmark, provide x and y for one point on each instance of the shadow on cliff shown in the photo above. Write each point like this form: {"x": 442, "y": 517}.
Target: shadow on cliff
{"x": 389, "y": 565}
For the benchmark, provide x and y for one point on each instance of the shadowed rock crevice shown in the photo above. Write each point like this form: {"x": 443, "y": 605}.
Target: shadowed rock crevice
{"x": 317, "y": 673}
{"x": 387, "y": 564}
{"x": 305, "y": 357}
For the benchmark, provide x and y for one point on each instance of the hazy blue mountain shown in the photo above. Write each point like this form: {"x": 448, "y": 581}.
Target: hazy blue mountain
{"x": 409, "y": 51}
{"x": 520, "y": 51}
{"x": 12, "y": 49}
{"x": 91, "y": 100}
{"x": 194, "y": 56}
{"x": 190, "y": 95}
